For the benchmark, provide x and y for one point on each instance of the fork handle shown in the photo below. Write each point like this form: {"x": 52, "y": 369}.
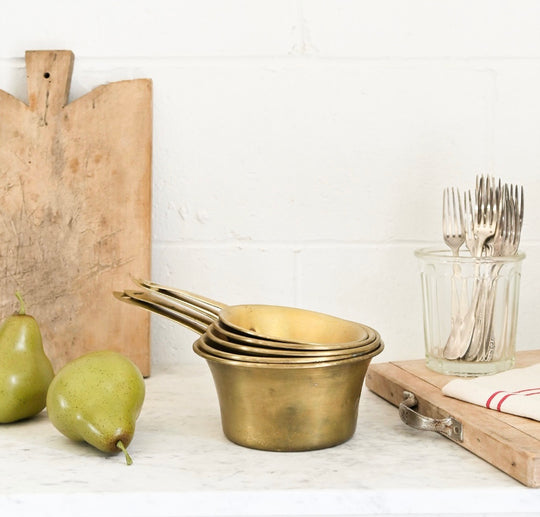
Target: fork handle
{"x": 461, "y": 335}
{"x": 477, "y": 322}
{"x": 488, "y": 350}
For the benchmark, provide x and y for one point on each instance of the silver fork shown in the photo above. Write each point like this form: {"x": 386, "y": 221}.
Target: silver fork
{"x": 485, "y": 216}
{"x": 506, "y": 239}
{"x": 453, "y": 228}
{"x": 516, "y": 193}
{"x": 485, "y": 213}
{"x": 505, "y": 243}
{"x": 454, "y": 237}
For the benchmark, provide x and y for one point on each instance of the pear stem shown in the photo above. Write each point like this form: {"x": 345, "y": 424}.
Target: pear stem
{"x": 22, "y": 307}
{"x": 120, "y": 445}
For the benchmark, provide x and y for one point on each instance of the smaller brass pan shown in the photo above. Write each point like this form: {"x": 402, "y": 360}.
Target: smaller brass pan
{"x": 285, "y": 365}
{"x": 217, "y": 337}
{"x": 206, "y": 344}
{"x": 273, "y": 322}
{"x": 233, "y": 336}
{"x": 292, "y": 325}
{"x": 243, "y": 345}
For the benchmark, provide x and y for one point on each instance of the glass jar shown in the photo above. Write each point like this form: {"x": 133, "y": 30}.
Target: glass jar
{"x": 470, "y": 311}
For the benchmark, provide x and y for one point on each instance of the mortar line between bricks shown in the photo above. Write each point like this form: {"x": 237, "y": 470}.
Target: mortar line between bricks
{"x": 292, "y": 245}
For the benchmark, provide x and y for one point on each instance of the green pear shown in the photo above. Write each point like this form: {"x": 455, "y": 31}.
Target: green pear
{"x": 97, "y": 398}
{"x": 25, "y": 370}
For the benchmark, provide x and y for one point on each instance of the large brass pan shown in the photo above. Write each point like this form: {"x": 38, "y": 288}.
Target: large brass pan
{"x": 288, "y": 407}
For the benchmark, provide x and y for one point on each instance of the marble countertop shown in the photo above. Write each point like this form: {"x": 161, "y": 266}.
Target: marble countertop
{"x": 184, "y": 466}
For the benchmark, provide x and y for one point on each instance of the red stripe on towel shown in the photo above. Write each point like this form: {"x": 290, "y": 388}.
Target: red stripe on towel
{"x": 520, "y": 392}
{"x": 503, "y": 399}
{"x": 535, "y": 391}
{"x": 492, "y": 397}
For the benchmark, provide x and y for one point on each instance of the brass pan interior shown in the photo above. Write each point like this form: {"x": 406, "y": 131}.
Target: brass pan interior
{"x": 251, "y": 346}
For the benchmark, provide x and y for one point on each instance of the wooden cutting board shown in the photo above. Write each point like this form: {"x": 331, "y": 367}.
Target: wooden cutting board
{"x": 509, "y": 442}
{"x": 75, "y": 198}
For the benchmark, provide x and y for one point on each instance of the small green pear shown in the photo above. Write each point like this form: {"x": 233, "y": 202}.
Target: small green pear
{"x": 25, "y": 370}
{"x": 97, "y": 398}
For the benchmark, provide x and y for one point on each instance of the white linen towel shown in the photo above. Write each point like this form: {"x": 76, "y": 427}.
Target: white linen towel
{"x": 515, "y": 391}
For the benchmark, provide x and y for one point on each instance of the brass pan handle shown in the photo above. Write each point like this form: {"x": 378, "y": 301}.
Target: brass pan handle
{"x": 196, "y": 325}
{"x": 170, "y": 304}
{"x": 196, "y": 300}
{"x": 449, "y": 426}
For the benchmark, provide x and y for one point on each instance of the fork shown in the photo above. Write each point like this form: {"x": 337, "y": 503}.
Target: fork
{"x": 516, "y": 193}
{"x": 484, "y": 215}
{"x": 505, "y": 243}
{"x": 454, "y": 237}
{"x": 453, "y": 228}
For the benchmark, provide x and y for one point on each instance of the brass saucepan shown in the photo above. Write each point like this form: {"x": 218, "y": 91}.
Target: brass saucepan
{"x": 166, "y": 301}
{"x": 273, "y": 322}
{"x": 288, "y": 406}
{"x": 208, "y": 345}
{"x": 217, "y": 337}
{"x": 278, "y": 404}
{"x": 203, "y": 326}
{"x": 235, "y": 337}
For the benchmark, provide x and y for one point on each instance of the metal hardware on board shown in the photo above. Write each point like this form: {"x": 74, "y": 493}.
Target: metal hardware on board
{"x": 449, "y": 426}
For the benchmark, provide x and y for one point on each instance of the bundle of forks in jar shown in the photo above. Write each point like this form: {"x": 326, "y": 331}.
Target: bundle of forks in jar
{"x": 488, "y": 221}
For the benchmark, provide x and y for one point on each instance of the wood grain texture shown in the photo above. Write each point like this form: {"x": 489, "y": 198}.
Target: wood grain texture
{"x": 75, "y": 197}
{"x": 510, "y": 443}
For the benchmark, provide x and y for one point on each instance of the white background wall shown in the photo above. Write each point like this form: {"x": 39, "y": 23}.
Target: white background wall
{"x": 301, "y": 147}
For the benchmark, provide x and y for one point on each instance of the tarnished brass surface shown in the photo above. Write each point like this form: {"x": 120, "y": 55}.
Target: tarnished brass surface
{"x": 237, "y": 346}
{"x": 288, "y": 407}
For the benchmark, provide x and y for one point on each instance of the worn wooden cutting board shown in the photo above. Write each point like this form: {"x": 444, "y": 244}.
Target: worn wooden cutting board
{"x": 75, "y": 198}
{"x": 509, "y": 442}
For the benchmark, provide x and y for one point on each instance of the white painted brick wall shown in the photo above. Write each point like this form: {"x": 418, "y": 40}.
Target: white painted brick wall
{"x": 301, "y": 147}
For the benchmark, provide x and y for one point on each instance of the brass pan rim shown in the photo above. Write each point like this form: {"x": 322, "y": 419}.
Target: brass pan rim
{"x": 285, "y": 365}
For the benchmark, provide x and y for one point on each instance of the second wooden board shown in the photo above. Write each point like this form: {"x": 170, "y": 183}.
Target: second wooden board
{"x": 510, "y": 443}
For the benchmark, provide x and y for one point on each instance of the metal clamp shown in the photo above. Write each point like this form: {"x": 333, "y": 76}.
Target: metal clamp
{"x": 449, "y": 426}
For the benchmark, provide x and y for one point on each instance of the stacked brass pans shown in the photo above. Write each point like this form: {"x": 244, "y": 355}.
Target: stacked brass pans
{"x": 287, "y": 379}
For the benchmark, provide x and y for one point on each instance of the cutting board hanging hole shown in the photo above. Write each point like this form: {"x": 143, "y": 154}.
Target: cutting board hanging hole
{"x": 49, "y": 78}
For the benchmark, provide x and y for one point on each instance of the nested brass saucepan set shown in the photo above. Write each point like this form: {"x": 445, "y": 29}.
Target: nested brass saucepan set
{"x": 287, "y": 379}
